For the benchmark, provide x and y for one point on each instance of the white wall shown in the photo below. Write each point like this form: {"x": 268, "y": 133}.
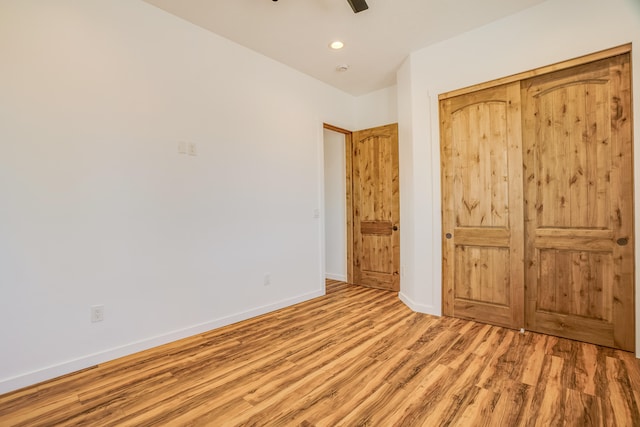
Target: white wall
{"x": 335, "y": 214}
{"x": 98, "y": 207}
{"x": 548, "y": 33}
{"x": 377, "y": 108}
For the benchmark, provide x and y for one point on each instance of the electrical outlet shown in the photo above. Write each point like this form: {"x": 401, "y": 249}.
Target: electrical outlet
{"x": 267, "y": 279}
{"x": 97, "y": 313}
{"x": 182, "y": 147}
{"x": 192, "y": 150}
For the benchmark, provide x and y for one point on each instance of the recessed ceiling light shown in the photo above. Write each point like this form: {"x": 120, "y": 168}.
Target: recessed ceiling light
{"x": 336, "y": 45}
{"x": 342, "y": 68}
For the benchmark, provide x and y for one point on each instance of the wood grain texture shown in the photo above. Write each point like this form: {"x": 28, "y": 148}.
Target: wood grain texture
{"x": 376, "y": 207}
{"x": 482, "y": 213}
{"x": 579, "y": 199}
{"x": 356, "y": 356}
{"x": 537, "y": 199}
{"x": 348, "y": 148}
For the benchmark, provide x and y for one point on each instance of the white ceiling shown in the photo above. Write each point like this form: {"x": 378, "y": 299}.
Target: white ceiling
{"x": 298, "y": 32}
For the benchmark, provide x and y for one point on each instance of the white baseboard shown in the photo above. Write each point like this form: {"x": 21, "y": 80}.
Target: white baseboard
{"x": 419, "y": 308}
{"x": 53, "y": 371}
{"x": 340, "y": 277}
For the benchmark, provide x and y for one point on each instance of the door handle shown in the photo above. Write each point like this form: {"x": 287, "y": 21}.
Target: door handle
{"x": 622, "y": 241}
{"x": 395, "y": 228}
{"x": 448, "y": 235}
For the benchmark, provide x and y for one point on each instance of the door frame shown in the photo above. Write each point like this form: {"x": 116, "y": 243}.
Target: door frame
{"x": 348, "y": 149}
{"x": 563, "y": 65}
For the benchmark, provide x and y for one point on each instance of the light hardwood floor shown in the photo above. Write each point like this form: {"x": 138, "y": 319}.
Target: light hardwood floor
{"x": 356, "y": 357}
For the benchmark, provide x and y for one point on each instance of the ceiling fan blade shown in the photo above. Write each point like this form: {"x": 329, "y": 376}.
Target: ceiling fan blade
{"x": 358, "y": 5}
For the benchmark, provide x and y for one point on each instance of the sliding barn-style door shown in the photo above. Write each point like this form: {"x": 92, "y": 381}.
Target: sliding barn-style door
{"x": 482, "y": 206}
{"x": 579, "y": 203}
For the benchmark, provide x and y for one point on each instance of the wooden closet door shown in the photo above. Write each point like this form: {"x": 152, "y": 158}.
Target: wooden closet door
{"x": 482, "y": 220}
{"x": 579, "y": 203}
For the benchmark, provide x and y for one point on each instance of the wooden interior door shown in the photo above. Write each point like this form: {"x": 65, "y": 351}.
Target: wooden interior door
{"x": 579, "y": 203}
{"x": 376, "y": 208}
{"x": 481, "y": 156}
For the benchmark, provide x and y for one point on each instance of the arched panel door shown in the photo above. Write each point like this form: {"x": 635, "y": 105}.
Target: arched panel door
{"x": 579, "y": 203}
{"x": 376, "y": 208}
{"x": 482, "y": 221}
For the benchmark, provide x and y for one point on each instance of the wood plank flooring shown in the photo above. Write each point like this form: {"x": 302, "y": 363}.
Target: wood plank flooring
{"x": 355, "y": 357}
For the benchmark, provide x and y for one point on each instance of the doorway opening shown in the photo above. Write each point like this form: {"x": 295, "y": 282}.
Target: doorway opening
{"x": 372, "y": 204}
{"x": 337, "y": 205}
